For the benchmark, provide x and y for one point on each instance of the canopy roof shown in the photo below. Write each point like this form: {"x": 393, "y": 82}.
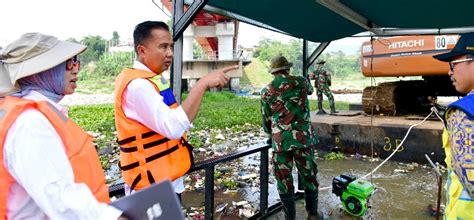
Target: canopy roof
{"x": 326, "y": 20}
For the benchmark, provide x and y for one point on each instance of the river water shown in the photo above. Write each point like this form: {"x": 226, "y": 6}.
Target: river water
{"x": 403, "y": 191}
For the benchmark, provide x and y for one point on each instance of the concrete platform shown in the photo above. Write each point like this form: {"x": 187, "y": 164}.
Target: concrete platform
{"x": 354, "y": 132}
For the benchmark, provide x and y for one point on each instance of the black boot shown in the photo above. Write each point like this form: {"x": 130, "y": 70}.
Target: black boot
{"x": 311, "y": 199}
{"x": 333, "y": 107}
{"x": 320, "y": 108}
{"x": 288, "y": 201}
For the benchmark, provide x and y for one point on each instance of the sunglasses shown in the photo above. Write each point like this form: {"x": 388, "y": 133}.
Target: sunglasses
{"x": 73, "y": 63}
{"x": 452, "y": 63}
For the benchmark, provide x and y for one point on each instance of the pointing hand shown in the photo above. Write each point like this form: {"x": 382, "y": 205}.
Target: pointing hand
{"x": 218, "y": 78}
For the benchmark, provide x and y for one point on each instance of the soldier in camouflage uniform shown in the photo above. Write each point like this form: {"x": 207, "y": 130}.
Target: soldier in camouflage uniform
{"x": 322, "y": 81}
{"x": 285, "y": 112}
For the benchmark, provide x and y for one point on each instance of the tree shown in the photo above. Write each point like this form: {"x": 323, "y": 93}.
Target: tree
{"x": 108, "y": 66}
{"x": 198, "y": 52}
{"x": 338, "y": 63}
{"x": 269, "y": 48}
{"x": 170, "y": 25}
{"x": 112, "y": 65}
{"x": 95, "y": 48}
{"x": 72, "y": 40}
{"x": 341, "y": 65}
{"x": 115, "y": 37}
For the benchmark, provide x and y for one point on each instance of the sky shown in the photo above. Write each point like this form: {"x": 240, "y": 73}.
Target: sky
{"x": 77, "y": 19}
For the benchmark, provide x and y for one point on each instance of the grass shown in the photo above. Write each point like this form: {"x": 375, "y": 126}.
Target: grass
{"x": 313, "y": 105}
{"x": 255, "y": 75}
{"x": 224, "y": 109}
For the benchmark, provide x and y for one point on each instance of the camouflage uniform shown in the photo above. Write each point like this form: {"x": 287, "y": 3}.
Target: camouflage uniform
{"x": 285, "y": 110}
{"x": 322, "y": 82}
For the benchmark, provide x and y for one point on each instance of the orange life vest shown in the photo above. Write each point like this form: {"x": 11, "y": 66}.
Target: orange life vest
{"x": 146, "y": 156}
{"x": 78, "y": 146}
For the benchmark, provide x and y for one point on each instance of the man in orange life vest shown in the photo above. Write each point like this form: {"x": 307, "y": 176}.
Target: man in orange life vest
{"x": 49, "y": 168}
{"x": 150, "y": 124}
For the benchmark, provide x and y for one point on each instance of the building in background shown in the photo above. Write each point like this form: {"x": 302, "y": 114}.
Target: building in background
{"x": 216, "y": 40}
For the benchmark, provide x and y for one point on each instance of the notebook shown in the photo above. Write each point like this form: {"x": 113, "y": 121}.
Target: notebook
{"x": 158, "y": 201}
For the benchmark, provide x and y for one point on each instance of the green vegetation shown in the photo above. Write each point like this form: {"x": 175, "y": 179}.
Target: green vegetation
{"x": 334, "y": 156}
{"x": 198, "y": 52}
{"x": 338, "y": 63}
{"x": 313, "y": 105}
{"x": 95, "y": 48}
{"x": 225, "y": 109}
{"x": 218, "y": 111}
{"x": 255, "y": 75}
{"x": 195, "y": 141}
{"x": 96, "y": 86}
{"x": 108, "y": 66}
{"x": 96, "y": 63}
{"x": 98, "y": 119}
{"x": 268, "y": 48}
{"x": 99, "y": 68}
{"x": 345, "y": 69}
{"x": 95, "y": 118}
{"x": 230, "y": 184}
{"x": 342, "y": 66}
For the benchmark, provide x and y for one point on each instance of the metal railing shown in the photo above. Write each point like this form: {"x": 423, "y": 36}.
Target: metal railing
{"x": 229, "y": 54}
{"x": 209, "y": 167}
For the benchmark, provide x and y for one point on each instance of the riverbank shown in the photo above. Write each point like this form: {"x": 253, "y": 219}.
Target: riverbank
{"x": 228, "y": 123}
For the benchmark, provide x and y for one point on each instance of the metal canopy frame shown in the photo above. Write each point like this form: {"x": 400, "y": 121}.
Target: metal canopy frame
{"x": 185, "y": 19}
{"x": 235, "y": 16}
{"x": 388, "y": 32}
{"x": 182, "y": 20}
{"x": 321, "y": 47}
{"x": 351, "y": 15}
{"x": 375, "y": 30}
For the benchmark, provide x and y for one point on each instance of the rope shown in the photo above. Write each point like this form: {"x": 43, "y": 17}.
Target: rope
{"x": 433, "y": 110}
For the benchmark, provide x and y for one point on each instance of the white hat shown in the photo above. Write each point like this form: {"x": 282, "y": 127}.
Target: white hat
{"x": 32, "y": 53}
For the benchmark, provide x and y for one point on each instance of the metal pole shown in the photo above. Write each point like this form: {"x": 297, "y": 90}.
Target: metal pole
{"x": 440, "y": 182}
{"x": 305, "y": 58}
{"x": 177, "y": 70}
{"x": 438, "y": 205}
{"x": 305, "y": 74}
{"x": 209, "y": 196}
{"x": 263, "y": 181}
{"x": 315, "y": 54}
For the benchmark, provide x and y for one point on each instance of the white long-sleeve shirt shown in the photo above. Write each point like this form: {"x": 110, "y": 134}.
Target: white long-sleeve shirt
{"x": 45, "y": 189}
{"x": 142, "y": 103}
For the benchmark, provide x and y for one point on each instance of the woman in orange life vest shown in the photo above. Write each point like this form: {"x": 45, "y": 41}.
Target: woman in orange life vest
{"x": 49, "y": 167}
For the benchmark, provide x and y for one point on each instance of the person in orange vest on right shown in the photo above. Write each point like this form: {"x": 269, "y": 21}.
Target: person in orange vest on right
{"x": 49, "y": 167}
{"x": 150, "y": 123}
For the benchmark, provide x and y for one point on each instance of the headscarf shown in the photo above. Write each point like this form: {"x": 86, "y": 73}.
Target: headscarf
{"x": 49, "y": 83}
